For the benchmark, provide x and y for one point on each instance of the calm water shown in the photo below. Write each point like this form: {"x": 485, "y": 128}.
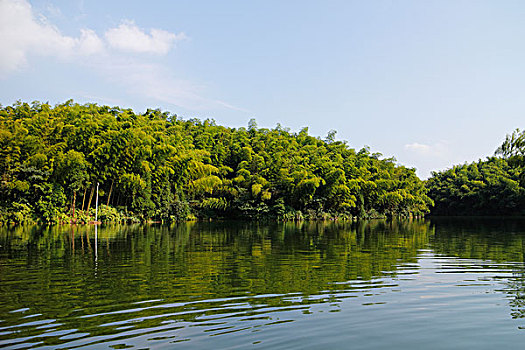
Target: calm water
{"x": 437, "y": 284}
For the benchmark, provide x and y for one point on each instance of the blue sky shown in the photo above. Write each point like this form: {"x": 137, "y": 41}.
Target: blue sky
{"x": 432, "y": 83}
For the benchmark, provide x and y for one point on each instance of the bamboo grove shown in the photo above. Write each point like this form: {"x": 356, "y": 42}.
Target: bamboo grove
{"x": 495, "y": 186}
{"x": 156, "y": 166}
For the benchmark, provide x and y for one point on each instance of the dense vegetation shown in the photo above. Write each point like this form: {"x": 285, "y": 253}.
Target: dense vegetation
{"x": 156, "y": 166}
{"x": 495, "y": 186}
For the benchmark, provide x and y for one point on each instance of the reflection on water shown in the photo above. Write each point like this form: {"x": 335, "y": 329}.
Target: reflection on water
{"x": 496, "y": 244}
{"x": 373, "y": 284}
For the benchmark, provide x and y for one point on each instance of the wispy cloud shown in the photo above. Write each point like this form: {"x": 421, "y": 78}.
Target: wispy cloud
{"x": 53, "y": 11}
{"x": 119, "y": 55}
{"x": 157, "y": 82}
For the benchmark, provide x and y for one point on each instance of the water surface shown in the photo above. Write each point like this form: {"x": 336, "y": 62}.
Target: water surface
{"x": 440, "y": 284}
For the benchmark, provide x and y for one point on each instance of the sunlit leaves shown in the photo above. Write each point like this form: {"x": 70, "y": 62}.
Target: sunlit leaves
{"x": 205, "y": 184}
{"x": 490, "y": 187}
{"x": 153, "y": 164}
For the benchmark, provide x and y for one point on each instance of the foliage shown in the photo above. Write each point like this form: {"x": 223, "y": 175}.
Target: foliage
{"x": 109, "y": 214}
{"x": 495, "y": 186}
{"x": 155, "y": 166}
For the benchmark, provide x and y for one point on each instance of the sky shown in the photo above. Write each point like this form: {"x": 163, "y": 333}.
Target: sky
{"x": 431, "y": 83}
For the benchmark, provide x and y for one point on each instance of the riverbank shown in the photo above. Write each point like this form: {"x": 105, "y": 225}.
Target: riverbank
{"x": 108, "y": 214}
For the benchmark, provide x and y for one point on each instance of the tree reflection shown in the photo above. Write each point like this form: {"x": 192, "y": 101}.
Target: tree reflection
{"x": 495, "y": 242}
{"x": 193, "y": 269}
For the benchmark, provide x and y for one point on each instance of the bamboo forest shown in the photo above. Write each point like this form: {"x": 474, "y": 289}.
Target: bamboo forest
{"x": 155, "y": 166}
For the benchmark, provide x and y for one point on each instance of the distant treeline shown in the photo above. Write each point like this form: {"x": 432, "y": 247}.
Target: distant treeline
{"x": 495, "y": 186}
{"x": 156, "y": 166}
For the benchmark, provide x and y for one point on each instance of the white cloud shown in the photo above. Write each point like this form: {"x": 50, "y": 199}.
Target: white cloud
{"x": 21, "y": 34}
{"x": 438, "y": 149}
{"x": 24, "y": 33}
{"x": 418, "y": 147}
{"x": 90, "y": 43}
{"x": 128, "y": 37}
{"x": 427, "y": 157}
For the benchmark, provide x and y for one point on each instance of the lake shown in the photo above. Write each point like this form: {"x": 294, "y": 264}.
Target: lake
{"x": 416, "y": 284}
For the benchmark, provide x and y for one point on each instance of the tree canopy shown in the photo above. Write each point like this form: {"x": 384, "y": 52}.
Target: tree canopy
{"x": 495, "y": 186}
{"x": 154, "y": 165}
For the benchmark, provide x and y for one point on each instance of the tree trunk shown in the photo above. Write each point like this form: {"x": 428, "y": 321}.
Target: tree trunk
{"x": 109, "y": 194}
{"x": 90, "y": 198}
{"x": 74, "y": 202}
{"x": 118, "y": 199}
{"x": 84, "y": 198}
